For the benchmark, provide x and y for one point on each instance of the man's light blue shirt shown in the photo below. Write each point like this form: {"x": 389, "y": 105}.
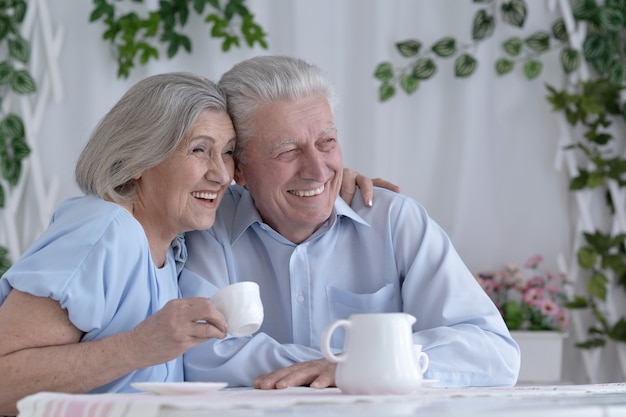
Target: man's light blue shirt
{"x": 387, "y": 258}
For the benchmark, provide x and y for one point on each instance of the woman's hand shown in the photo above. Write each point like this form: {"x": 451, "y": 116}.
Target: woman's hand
{"x": 180, "y": 325}
{"x": 352, "y": 179}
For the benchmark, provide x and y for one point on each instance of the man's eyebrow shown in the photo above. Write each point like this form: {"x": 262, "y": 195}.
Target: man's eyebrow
{"x": 285, "y": 143}
{"x": 326, "y": 131}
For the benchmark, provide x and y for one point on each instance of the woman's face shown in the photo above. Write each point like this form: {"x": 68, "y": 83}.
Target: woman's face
{"x": 183, "y": 192}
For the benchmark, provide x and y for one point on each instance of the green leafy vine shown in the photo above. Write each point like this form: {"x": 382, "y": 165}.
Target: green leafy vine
{"x": 136, "y": 38}
{"x": 593, "y": 107}
{"x": 15, "y": 79}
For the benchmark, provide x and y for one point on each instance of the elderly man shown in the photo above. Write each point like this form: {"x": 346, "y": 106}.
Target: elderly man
{"x": 318, "y": 260}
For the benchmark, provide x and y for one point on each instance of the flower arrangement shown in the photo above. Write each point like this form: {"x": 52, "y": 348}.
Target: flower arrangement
{"x": 528, "y": 298}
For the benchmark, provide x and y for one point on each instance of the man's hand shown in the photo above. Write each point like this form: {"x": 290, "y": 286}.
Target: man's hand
{"x": 316, "y": 374}
{"x": 352, "y": 179}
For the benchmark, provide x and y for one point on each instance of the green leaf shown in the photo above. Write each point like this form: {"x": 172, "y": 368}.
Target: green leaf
{"x": 5, "y": 26}
{"x": 616, "y": 74}
{"x": 12, "y": 127}
{"x": 618, "y": 332}
{"x": 513, "y": 46}
{"x": 577, "y": 302}
{"x": 20, "y": 148}
{"x": 5, "y": 263}
{"x": 384, "y": 71}
{"x": 615, "y": 263}
{"x": 253, "y": 32}
{"x": 424, "y": 68}
{"x": 22, "y": 82}
{"x": 538, "y": 41}
{"x": 409, "y": 83}
{"x": 587, "y": 257}
{"x": 579, "y": 182}
{"x": 19, "y": 11}
{"x": 559, "y": 30}
{"x": 465, "y": 65}
{"x": 599, "y": 241}
{"x": 386, "y": 91}
{"x": 512, "y": 313}
{"x": 594, "y": 47}
{"x": 585, "y": 10}
{"x": 532, "y": 69}
{"x": 445, "y": 47}
{"x": 483, "y": 25}
{"x": 596, "y": 286}
{"x": 2, "y": 196}
{"x": 6, "y": 72}
{"x": 570, "y": 60}
{"x": 611, "y": 19}
{"x": 19, "y": 49}
{"x": 595, "y": 179}
{"x": 514, "y": 12}
{"x": 591, "y": 343}
{"x": 409, "y": 48}
{"x": 11, "y": 170}
{"x": 504, "y": 66}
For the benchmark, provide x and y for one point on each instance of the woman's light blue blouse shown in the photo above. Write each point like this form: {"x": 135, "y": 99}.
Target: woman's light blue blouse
{"x": 94, "y": 259}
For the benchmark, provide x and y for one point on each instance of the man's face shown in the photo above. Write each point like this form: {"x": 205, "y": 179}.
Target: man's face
{"x": 293, "y": 165}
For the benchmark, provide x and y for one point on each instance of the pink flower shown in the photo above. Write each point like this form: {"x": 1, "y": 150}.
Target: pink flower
{"x": 533, "y": 295}
{"x": 533, "y": 262}
{"x": 553, "y": 289}
{"x": 536, "y": 282}
{"x": 539, "y": 295}
{"x": 549, "y": 307}
{"x": 563, "y": 319}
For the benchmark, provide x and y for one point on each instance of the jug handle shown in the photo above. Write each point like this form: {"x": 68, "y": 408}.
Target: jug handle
{"x": 325, "y": 344}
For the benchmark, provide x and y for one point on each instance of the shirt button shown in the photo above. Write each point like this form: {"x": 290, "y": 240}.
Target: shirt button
{"x": 300, "y": 298}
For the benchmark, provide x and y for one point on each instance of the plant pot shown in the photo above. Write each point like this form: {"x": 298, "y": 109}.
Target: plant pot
{"x": 542, "y": 356}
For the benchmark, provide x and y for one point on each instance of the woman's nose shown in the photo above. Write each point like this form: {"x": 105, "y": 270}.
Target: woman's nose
{"x": 219, "y": 171}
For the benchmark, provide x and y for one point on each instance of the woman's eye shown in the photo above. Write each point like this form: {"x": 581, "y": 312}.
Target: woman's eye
{"x": 199, "y": 149}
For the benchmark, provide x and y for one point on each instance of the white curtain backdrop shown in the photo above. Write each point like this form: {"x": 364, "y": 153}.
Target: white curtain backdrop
{"x": 479, "y": 153}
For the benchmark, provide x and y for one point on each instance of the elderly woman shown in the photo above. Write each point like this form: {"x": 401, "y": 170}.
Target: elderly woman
{"x": 93, "y": 305}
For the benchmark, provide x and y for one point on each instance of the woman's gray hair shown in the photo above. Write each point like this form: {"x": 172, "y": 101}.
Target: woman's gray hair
{"x": 142, "y": 130}
{"x": 265, "y": 79}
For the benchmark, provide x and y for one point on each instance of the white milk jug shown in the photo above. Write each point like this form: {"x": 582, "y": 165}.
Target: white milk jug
{"x": 379, "y": 355}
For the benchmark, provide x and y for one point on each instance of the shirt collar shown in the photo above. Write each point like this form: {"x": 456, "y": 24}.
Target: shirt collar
{"x": 246, "y": 215}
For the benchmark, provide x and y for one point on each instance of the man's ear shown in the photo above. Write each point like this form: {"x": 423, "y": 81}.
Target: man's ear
{"x": 240, "y": 178}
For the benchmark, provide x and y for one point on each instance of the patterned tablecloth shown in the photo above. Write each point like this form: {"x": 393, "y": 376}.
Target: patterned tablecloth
{"x": 47, "y": 404}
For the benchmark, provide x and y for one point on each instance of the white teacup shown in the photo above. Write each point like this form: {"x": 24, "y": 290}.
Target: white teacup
{"x": 241, "y": 304}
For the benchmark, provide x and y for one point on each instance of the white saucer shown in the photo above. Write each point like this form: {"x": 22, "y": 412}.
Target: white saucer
{"x": 179, "y": 388}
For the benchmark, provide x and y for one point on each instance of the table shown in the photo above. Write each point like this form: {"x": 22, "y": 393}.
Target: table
{"x": 602, "y": 400}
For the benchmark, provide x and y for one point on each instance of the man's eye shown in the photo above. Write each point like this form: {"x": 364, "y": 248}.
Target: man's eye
{"x": 328, "y": 143}
{"x": 291, "y": 153}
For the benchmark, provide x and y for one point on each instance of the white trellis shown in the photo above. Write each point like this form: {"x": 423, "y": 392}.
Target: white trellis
{"x": 610, "y": 360}
{"x": 30, "y": 203}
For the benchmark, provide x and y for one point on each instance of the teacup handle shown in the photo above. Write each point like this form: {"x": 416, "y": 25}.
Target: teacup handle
{"x": 422, "y": 359}
{"x": 325, "y": 343}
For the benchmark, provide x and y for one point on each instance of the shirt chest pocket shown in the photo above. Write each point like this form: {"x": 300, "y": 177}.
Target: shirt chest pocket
{"x": 342, "y": 303}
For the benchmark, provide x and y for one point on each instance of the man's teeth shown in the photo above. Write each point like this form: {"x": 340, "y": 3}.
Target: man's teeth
{"x": 205, "y": 196}
{"x": 310, "y": 193}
